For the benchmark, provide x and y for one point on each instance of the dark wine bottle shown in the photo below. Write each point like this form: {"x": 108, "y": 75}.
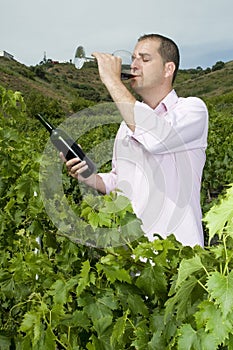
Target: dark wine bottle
{"x": 65, "y": 144}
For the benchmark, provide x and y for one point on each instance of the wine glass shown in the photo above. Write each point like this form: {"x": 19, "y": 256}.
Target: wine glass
{"x": 80, "y": 58}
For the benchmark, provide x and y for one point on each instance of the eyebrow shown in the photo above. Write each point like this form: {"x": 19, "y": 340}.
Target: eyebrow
{"x": 142, "y": 54}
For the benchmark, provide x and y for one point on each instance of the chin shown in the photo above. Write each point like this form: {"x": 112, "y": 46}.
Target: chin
{"x": 134, "y": 83}
{"x": 136, "y": 87}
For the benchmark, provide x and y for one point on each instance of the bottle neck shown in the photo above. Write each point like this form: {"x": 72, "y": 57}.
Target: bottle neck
{"x": 45, "y": 122}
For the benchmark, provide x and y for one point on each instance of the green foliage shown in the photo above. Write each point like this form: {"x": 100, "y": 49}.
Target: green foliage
{"x": 87, "y": 91}
{"x": 57, "y": 294}
{"x": 219, "y": 218}
{"x": 218, "y": 171}
{"x": 37, "y": 103}
{"x": 39, "y": 72}
{"x": 80, "y": 103}
{"x": 205, "y": 83}
{"x": 218, "y": 65}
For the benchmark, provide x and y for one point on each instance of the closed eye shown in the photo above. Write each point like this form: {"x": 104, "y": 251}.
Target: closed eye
{"x": 145, "y": 57}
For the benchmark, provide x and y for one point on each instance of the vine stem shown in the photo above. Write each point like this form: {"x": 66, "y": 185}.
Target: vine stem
{"x": 205, "y": 270}
{"x": 202, "y": 285}
{"x": 30, "y": 299}
{"x": 49, "y": 325}
{"x": 226, "y": 270}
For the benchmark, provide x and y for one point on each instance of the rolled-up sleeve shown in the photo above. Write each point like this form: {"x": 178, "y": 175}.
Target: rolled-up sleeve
{"x": 110, "y": 178}
{"x": 181, "y": 128}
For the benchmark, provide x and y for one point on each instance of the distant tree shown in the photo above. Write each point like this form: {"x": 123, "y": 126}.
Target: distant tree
{"x": 218, "y": 65}
{"x": 38, "y": 103}
{"x": 192, "y": 71}
{"x": 207, "y": 70}
{"x": 81, "y": 103}
{"x": 39, "y": 71}
{"x": 199, "y": 70}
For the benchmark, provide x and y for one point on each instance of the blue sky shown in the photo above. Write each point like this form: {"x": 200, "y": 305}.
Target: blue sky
{"x": 203, "y": 29}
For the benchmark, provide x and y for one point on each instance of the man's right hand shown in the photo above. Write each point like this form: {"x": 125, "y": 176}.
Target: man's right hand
{"x": 75, "y": 167}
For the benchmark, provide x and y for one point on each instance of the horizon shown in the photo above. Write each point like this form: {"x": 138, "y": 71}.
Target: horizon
{"x": 70, "y": 60}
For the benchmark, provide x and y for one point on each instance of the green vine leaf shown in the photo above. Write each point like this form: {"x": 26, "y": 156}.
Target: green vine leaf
{"x": 199, "y": 340}
{"x": 85, "y": 278}
{"x": 32, "y": 323}
{"x": 114, "y": 273}
{"x": 119, "y": 329}
{"x": 187, "y": 267}
{"x": 220, "y": 288}
{"x": 220, "y": 216}
{"x": 210, "y": 318}
{"x": 180, "y": 301}
{"x": 58, "y": 294}
{"x": 153, "y": 282}
{"x": 188, "y": 338}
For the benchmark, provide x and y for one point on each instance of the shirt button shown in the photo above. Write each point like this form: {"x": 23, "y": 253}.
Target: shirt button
{"x": 126, "y": 140}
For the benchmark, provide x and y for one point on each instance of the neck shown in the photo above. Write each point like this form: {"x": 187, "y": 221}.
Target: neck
{"x": 155, "y": 96}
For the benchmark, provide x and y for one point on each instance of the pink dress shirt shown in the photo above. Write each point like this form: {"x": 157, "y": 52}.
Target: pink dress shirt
{"x": 159, "y": 166}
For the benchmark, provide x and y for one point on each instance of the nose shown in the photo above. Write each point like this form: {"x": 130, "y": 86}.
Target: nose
{"x": 134, "y": 63}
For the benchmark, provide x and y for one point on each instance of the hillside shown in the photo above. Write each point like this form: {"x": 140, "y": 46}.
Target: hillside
{"x": 198, "y": 83}
{"x": 73, "y": 89}
{"x": 59, "y": 82}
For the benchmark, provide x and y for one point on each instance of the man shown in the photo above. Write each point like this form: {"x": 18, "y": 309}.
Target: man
{"x": 159, "y": 150}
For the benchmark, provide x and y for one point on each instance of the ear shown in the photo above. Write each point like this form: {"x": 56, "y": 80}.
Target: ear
{"x": 169, "y": 69}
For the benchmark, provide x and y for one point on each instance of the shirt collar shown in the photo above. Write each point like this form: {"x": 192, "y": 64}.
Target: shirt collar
{"x": 167, "y": 103}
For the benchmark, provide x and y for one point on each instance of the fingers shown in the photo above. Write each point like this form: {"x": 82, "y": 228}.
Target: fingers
{"x": 75, "y": 166}
{"x": 77, "y": 169}
{"x": 109, "y": 67}
{"x": 101, "y": 55}
{"x": 62, "y": 157}
{"x": 107, "y": 59}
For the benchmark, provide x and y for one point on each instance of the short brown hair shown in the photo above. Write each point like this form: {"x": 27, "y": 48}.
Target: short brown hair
{"x": 168, "y": 50}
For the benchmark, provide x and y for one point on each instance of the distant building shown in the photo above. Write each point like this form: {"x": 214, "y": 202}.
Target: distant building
{"x": 6, "y": 54}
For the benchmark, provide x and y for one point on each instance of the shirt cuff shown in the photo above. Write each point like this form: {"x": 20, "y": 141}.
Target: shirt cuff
{"x": 109, "y": 180}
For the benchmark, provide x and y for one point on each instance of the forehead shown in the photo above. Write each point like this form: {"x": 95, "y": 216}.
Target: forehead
{"x": 149, "y": 46}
